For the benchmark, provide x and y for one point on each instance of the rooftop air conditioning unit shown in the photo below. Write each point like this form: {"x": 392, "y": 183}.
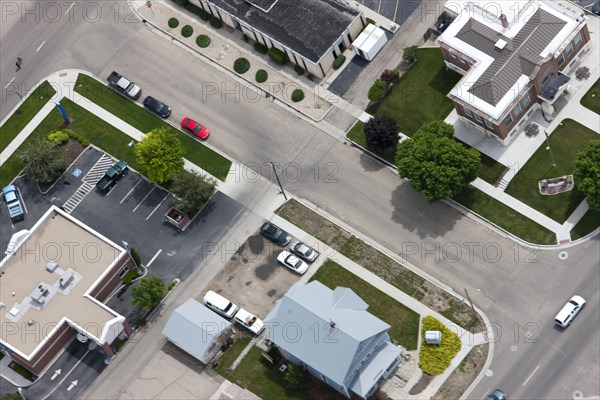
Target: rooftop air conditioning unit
{"x": 500, "y": 44}
{"x": 51, "y": 266}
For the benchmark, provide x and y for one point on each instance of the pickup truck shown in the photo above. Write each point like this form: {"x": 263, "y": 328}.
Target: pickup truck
{"x": 12, "y": 202}
{"x": 112, "y": 176}
{"x": 124, "y": 85}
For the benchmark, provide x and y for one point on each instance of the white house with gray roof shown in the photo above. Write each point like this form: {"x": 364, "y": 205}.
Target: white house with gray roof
{"x": 332, "y": 335}
{"x": 515, "y": 57}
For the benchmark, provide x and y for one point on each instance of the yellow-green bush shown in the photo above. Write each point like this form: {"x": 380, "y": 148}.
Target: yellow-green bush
{"x": 434, "y": 359}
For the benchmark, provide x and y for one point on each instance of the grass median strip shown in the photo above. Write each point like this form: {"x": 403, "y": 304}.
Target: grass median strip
{"x": 380, "y": 264}
{"x": 404, "y": 322}
{"x": 145, "y": 121}
{"x": 25, "y": 113}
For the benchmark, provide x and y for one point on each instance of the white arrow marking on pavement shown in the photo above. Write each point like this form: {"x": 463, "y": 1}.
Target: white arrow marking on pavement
{"x": 55, "y": 374}
{"x": 72, "y": 385}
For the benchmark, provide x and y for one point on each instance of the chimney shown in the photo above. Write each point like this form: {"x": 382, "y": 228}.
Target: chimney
{"x": 504, "y": 21}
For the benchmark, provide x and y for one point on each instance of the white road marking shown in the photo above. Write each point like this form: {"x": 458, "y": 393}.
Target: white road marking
{"x": 529, "y": 377}
{"x": 156, "y": 208}
{"x": 41, "y": 45}
{"x": 9, "y": 82}
{"x": 72, "y": 4}
{"x": 23, "y": 201}
{"x": 145, "y": 197}
{"x": 66, "y": 376}
{"x": 154, "y": 258}
{"x": 128, "y": 193}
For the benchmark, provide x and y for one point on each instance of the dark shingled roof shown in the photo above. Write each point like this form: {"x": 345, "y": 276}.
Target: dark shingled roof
{"x": 308, "y": 27}
{"x": 520, "y": 56}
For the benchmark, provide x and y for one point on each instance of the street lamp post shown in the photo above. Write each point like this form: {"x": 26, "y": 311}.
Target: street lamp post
{"x": 20, "y": 390}
{"x": 278, "y": 181}
{"x": 549, "y": 148}
{"x": 127, "y": 248}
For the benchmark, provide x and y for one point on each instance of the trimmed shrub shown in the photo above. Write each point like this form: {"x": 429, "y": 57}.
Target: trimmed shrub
{"x": 410, "y": 54}
{"x": 261, "y": 76}
{"x": 434, "y": 359}
{"x": 85, "y": 143}
{"x": 310, "y": 76}
{"x": 370, "y": 21}
{"x": 376, "y": 91}
{"x": 136, "y": 257}
{"x": 20, "y": 370}
{"x": 172, "y": 285}
{"x": 187, "y": 31}
{"x": 297, "y": 95}
{"x": 277, "y": 55}
{"x": 59, "y": 137}
{"x": 261, "y": 48}
{"x": 299, "y": 70}
{"x": 204, "y": 16}
{"x": 203, "y": 41}
{"x": 195, "y": 9}
{"x": 173, "y": 22}
{"x": 216, "y": 22}
{"x": 339, "y": 61}
{"x": 241, "y": 65}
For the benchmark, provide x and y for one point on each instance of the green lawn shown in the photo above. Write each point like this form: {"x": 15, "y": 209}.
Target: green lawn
{"x": 504, "y": 216}
{"x": 25, "y": 113}
{"x": 568, "y": 139}
{"x": 231, "y": 354}
{"x": 420, "y": 94}
{"x": 591, "y": 99}
{"x": 490, "y": 170}
{"x": 587, "y": 224}
{"x": 143, "y": 120}
{"x": 404, "y": 322}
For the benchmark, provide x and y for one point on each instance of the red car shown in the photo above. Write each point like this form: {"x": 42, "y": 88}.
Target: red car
{"x": 195, "y": 128}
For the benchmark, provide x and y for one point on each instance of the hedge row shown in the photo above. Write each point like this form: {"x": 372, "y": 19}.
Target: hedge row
{"x": 277, "y": 55}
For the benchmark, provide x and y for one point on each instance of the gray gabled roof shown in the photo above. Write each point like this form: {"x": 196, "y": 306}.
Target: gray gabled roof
{"x": 308, "y": 27}
{"x": 322, "y": 327}
{"x": 520, "y": 56}
{"x": 194, "y": 328}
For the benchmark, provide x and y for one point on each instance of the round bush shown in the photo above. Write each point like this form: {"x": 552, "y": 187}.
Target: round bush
{"x": 202, "y": 41}
{"x": 59, "y": 137}
{"x": 187, "y": 31}
{"x": 299, "y": 70}
{"x": 339, "y": 61}
{"x": 173, "y": 22}
{"x": 241, "y": 65}
{"x": 297, "y": 95}
{"x": 261, "y": 76}
{"x": 216, "y": 22}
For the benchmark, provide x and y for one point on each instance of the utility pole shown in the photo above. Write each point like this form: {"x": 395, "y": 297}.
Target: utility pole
{"x": 278, "y": 181}
{"x": 549, "y": 148}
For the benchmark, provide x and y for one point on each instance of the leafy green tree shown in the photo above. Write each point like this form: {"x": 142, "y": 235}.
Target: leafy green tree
{"x": 435, "y": 164}
{"x": 376, "y": 91}
{"x": 410, "y": 54}
{"x": 295, "y": 378}
{"x": 159, "y": 154}
{"x": 381, "y": 133}
{"x": 587, "y": 173}
{"x": 11, "y": 396}
{"x": 193, "y": 190}
{"x": 44, "y": 160}
{"x": 148, "y": 293}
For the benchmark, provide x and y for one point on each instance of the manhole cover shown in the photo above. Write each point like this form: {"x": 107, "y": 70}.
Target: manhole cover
{"x": 563, "y": 255}
{"x": 513, "y": 348}
{"x": 489, "y": 372}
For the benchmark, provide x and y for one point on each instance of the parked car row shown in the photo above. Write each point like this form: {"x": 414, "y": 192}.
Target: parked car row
{"x": 130, "y": 89}
{"x": 299, "y": 253}
{"x": 227, "y": 309}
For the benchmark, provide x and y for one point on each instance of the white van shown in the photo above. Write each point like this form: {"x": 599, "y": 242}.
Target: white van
{"x": 569, "y": 311}
{"x": 220, "y": 304}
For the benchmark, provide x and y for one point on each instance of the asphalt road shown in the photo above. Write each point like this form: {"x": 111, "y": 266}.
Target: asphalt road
{"x": 512, "y": 284}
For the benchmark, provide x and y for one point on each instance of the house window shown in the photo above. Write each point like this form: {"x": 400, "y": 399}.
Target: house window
{"x": 569, "y": 49}
{"x": 517, "y": 110}
{"x": 526, "y": 100}
{"x": 478, "y": 118}
{"x": 560, "y": 60}
{"x": 452, "y": 55}
{"x": 508, "y": 121}
{"x": 578, "y": 39}
{"x": 489, "y": 124}
{"x": 468, "y": 112}
{"x": 462, "y": 60}
{"x": 123, "y": 270}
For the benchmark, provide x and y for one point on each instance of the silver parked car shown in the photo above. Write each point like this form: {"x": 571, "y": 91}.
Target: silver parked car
{"x": 303, "y": 251}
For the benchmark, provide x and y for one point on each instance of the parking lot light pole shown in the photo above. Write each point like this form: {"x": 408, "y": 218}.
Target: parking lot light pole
{"x": 20, "y": 390}
{"x": 128, "y": 249}
{"x": 278, "y": 181}
{"x": 549, "y": 148}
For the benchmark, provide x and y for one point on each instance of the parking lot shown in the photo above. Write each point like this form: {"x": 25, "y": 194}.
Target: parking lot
{"x": 252, "y": 278}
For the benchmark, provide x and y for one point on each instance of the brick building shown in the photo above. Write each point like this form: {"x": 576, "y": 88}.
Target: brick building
{"x": 515, "y": 57}
{"x": 54, "y": 281}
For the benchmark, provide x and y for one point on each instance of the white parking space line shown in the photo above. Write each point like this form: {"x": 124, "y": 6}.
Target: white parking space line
{"x": 8, "y": 214}
{"x": 529, "y": 377}
{"x": 145, "y": 197}
{"x": 156, "y": 208}
{"x": 378, "y": 6}
{"x": 22, "y": 201}
{"x": 41, "y": 45}
{"x": 9, "y": 82}
{"x": 72, "y": 4}
{"x": 128, "y": 193}
{"x": 396, "y": 10}
{"x": 154, "y": 258}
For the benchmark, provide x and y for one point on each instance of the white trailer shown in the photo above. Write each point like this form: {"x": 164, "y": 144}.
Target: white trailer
{"x": 369, "y": 42}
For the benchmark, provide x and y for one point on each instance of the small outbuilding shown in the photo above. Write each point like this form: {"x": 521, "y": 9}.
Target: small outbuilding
{"x": 369, "y": 42}
{"x": 197, "y": 330}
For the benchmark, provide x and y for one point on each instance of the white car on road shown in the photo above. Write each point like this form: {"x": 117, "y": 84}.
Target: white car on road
{"x": 292, "y": 261}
